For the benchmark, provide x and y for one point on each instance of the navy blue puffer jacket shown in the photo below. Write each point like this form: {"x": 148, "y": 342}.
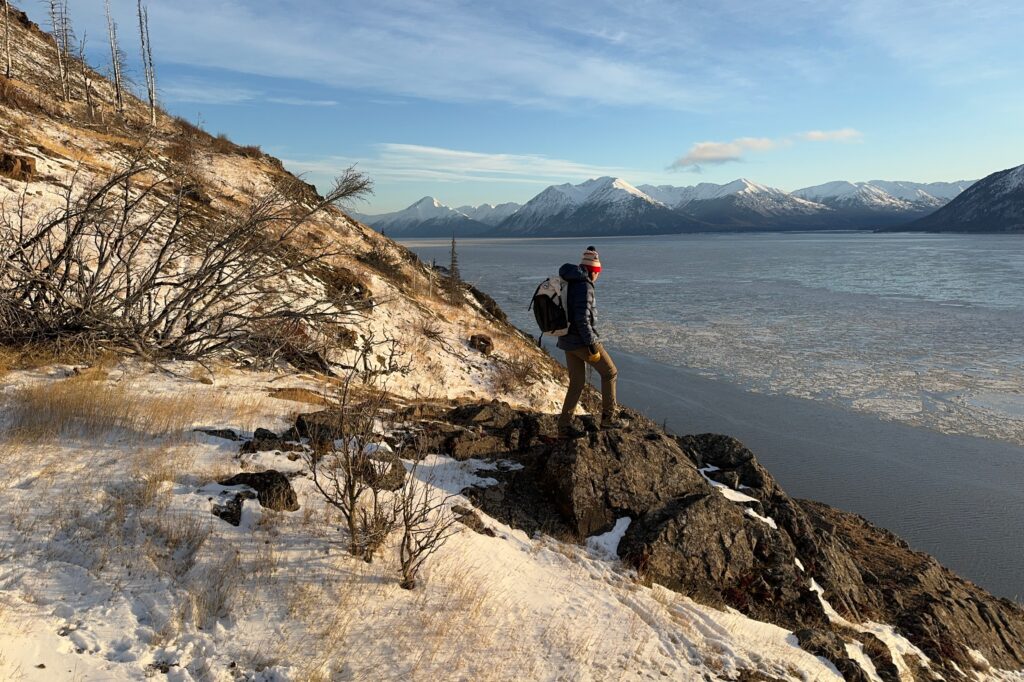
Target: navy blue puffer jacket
{"x": 579, "y": 307}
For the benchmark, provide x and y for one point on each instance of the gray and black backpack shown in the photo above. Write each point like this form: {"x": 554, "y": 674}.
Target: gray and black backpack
{"x": 548, "y": 307}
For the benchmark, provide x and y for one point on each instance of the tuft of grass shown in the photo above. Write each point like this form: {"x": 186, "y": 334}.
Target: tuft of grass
{"x": 88, "y": 407}
{"x": 213, "y": 590}
{"x": 515, "y": 372}
{"x": 179, "y": 539}
{"x": 85, "y": 407}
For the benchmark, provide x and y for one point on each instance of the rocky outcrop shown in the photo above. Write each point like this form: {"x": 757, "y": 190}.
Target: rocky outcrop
{"x": 17, "y": 167}
{"x": 709, "y": 521}
{"x": 273, "y": 489}
{"x": 481, "y": 343}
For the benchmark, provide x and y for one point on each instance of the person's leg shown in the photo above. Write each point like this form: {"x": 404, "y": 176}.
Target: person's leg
{"x": 606, "y": 368}
{"x": 576, "y": 363}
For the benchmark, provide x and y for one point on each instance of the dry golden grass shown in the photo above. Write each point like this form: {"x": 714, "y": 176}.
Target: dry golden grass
{"x": 84, "y": 407}
{"x": 88, "y": 407}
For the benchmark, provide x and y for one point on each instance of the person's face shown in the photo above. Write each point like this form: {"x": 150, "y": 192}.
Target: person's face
{"x": 594, "y": 275}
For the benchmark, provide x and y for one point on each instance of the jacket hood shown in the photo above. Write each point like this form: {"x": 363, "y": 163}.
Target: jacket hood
{"x": 572, "y": 273}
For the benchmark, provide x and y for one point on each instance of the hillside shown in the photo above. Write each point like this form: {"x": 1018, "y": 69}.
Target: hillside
{"x": 246, "y": 437}
{"x": 993, "y": 204}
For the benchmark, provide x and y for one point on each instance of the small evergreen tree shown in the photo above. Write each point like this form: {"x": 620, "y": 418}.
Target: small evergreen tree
{"x": 454, "y": 277}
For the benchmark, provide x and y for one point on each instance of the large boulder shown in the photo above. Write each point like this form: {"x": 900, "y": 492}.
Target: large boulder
{"x": 273, "y": 489}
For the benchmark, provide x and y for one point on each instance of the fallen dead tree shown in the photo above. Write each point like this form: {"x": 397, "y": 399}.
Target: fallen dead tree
{"x": 134, "y": 262}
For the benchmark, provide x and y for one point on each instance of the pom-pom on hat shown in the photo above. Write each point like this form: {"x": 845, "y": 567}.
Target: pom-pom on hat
{"x": 591, "y": 260}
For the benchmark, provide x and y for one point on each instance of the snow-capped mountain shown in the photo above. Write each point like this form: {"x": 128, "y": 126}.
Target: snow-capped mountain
{"x": 741, "y": 203}
{"x": 607, "y": 206}
{"x": 600, "y": 206}
{"x": 881, "y": 202}
{"x": 993, "y": 204}
{"x": 489, "y": 214}
{"x": 428, "y": 217}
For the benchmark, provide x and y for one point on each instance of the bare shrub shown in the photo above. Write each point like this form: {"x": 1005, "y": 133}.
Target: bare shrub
{"x": 127, "y": 263}
{"x": 344, "y": 472}
{"x": 427, "y": 328}
{"x": 426, "y": 522}
{"x": 213, "y": 589}
{"x": 344, "y": 466}
{"x": 514, "y": 373}
{"x": 383, "y": 261}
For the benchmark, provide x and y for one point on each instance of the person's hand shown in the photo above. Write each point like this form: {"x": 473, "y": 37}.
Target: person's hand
{"x": 595, "y": 353}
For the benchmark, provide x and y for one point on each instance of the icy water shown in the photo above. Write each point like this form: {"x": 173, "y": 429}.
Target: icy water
{"x": 875, "y": 339}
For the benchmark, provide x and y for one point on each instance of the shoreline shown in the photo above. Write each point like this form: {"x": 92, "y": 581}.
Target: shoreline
{"x": 958, "y": 498}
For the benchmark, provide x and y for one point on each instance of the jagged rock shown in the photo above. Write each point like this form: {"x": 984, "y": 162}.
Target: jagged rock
{"x": 273, "y": 489}
{"x": 831, "y": 646}
{"x": 265, "y": 440}
{"x": 226, "y": 434}
{"x": 195, "y": 194}
{"x": 880, "y": 655}
{"x": 231, "y": 509}
{"x": 469, "y": 445}
{"x": 382, "y": 470}
{"x": 17, "y": 167}
{"x": 685, "y": 534}
{"x": 472, "y": 520}
{"x": 482, "y": 343}
{"x": 940, "y": 612}
{"x": 610, "y": 474}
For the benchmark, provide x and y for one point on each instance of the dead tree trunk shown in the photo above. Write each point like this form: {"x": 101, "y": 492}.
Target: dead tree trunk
{"x": 116, "y": 60}
{"x": 7, "y": 38}
{"x": 56, "y": 24}
{"x": 147, "y": 59}
{"x": 86, "y": 79}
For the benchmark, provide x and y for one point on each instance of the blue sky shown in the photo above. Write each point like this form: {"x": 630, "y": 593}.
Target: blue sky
{"x": 493, "y": 101}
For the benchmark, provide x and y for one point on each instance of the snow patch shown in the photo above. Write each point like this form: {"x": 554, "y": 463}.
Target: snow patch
{"x": 606, "y": 545}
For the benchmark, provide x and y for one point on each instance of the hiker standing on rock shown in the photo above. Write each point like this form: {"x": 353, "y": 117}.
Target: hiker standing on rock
{"x": 582, "y": 345}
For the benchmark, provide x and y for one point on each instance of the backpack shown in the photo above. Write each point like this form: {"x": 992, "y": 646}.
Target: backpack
{"x": 548, "y": 307}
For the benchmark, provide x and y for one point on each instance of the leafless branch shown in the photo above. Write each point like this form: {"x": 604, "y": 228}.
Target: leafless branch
{"x": 131, "y": 262}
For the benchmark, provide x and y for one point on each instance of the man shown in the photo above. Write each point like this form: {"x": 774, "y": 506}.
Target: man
{"x": 582, "y": 345}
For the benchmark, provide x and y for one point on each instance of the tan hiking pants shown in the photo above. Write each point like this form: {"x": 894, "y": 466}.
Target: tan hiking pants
{"x": 576, "y": 361}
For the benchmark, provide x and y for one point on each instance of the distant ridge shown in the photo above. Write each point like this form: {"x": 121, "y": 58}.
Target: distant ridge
{"x": 993, "y": 204}
{"x": 612, "y": 206}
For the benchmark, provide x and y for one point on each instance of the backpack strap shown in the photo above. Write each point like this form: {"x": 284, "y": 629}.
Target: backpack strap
{"x": 535, "y": 292}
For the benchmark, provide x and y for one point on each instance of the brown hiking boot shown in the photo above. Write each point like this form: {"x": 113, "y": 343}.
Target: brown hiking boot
{"x": 612, "y": 422}
{"x": 570, "y": 433}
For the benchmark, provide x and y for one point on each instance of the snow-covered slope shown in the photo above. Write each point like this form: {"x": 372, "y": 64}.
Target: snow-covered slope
{"x": 881, "y": 202}
{"x": 489, "y": 214}
{"x": 427, "y": 217}
{"x": 114, "y": 568}
{"x": 993, "y": 204}
{"x": 599, "y": 206}
{"x": 741, "y": 203}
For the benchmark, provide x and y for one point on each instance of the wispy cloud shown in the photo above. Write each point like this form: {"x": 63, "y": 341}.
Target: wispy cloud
{"x": 717, "y": 153}
{"x": 841, "y": 135}
{"x": 196, "y": 91}
{"x": 603, "y": 52}
{"x": 408, "y": 162}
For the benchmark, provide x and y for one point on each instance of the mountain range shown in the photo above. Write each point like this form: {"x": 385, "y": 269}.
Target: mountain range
{"x": 993, "y": 204}
{"x": 612, "y": 206}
